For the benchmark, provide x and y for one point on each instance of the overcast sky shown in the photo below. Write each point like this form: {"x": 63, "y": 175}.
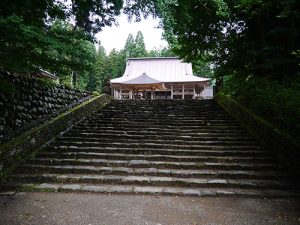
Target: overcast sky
{"x": 115, "y": 36}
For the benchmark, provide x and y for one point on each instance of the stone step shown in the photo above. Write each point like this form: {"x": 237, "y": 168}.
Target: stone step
{"x": 92, "y": 134}
{"x": 188, "y": 173}
{"x": 161, "y": 106}
{"x": 160, "y": 116}
{"x": 154, "y": 114}
{"x": 160, "y": 130}
{"x": 157, "y": 190}
{"x": 205, "y": 151}
{"x": 155, "y": 118}
{"x": 112, "y": 143}
{"x": 191, "y": 148}
{"x": 152, "y": 157}
{"x": 164, "y": 107}
{"x": 158, "y": 164}
{"x": 213, "y": 142}
{"x": 160, "y": 122}
{"x": 152, "y": 181}
{"x": 156, "y": 134}
{"x": 158, "y": 125}
{"x": 172, "y": 110}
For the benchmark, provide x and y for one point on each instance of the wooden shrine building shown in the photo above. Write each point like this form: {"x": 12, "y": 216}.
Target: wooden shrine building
{"x": 159, "y": 78}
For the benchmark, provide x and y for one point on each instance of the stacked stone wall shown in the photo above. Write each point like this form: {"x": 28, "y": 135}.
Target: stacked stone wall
{"x": 26, "y": 101}
{"x": 270, "y": 137}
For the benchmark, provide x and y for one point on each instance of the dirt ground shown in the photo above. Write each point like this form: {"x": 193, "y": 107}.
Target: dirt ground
{"x": 100, "y": 209}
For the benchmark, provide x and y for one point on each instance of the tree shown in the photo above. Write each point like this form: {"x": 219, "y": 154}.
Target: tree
{"x": 88, "y": 15}
{"x": 129, "y": 47}
{"x": 154, "y": 53}
{"x": 32, "y": 36}
{"x": 161, "y": 52}
{"x": 249, "y": 38}
{"x": 139, "y": 48}
{"x": 112, "y": 61}
{"x": 135, "y": 47}
{"x": 101, "y": 68}
{"x": 166, "y": 52}
{"x": 92, "y": 80}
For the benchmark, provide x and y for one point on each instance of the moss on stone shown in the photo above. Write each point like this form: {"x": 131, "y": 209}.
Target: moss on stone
{"x": 270, "y": 137}
{"x": 28, "y": 187}
{"x": 21, "y": 148}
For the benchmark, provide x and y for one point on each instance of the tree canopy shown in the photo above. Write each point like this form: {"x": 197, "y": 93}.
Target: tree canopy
{"x": 248, "y": 37}
{"x": 33, "y": 36}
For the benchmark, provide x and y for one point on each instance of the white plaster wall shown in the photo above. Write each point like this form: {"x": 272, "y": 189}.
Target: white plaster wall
{"x": 207, "y": 93}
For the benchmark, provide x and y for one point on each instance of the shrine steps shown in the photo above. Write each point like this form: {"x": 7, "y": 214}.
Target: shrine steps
{"x": 167, "y": 147}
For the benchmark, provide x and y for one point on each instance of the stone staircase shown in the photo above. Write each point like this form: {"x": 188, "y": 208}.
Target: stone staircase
{"x": 169, "y": 147}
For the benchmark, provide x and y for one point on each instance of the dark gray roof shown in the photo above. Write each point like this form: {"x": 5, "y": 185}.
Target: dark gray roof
{"x": 142, "y": 79}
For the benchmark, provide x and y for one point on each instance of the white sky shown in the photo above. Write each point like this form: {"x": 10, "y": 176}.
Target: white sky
{"x": 115, "y": 36}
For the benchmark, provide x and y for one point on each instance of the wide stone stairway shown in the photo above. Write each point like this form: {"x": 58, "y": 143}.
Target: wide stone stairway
{"x": 190, "y": 148}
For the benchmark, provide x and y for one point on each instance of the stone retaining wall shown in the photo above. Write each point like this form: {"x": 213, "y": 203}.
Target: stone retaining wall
{"x": 26, "y": 102}
{"x": 24, "y": 146}
{"x": 279, "y": 143}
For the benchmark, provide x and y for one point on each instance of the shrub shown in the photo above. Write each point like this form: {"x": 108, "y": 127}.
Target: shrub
{"x": 277, "y": 102}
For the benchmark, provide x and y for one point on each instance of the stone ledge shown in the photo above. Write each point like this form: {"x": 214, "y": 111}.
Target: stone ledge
{"x": 17, "y": 150}
{"x": 155, "y": 190}
{"x": 280, "y": 144}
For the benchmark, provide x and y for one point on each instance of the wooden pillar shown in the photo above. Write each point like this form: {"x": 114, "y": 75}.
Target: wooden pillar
{"x": 171, "y": 91}
{"x": 194, "y": 96}
{"x": 183, "y": 91}
{"x": 120, "y": 97}
{"x": 152, "y": 97}
{"x": 113, "y": 92}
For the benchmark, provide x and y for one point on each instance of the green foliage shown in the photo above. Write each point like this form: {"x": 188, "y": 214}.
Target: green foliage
{"x": 161, "y": 52}
{"x": 33, "y": 36}
{"x": 100, "y": 67}
{"x": 95, "y": 93}
{"x": 89, "y": 15}
{"x": 279, "y": 103}
{"x": 129, "y": 47}
{"x": 135, "y": 47}
{"x": 25, "y": 48}
{"x": 297, "y": 54}
{"x": 203, "y": 69}
{"x": 245, "y": 37}
{"x": 139, "y": 50}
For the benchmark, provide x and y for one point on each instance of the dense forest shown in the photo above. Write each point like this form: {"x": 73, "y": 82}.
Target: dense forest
{"x": 252, "y": 45}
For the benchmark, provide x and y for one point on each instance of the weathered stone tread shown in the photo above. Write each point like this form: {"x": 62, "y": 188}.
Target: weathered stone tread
{"x": 154, "y": 181}
{"x": 158, "y": 164}
{"x": 183, "y": 148}
{"x": 188, "y": 173}
{"x": 158, "y": 190}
